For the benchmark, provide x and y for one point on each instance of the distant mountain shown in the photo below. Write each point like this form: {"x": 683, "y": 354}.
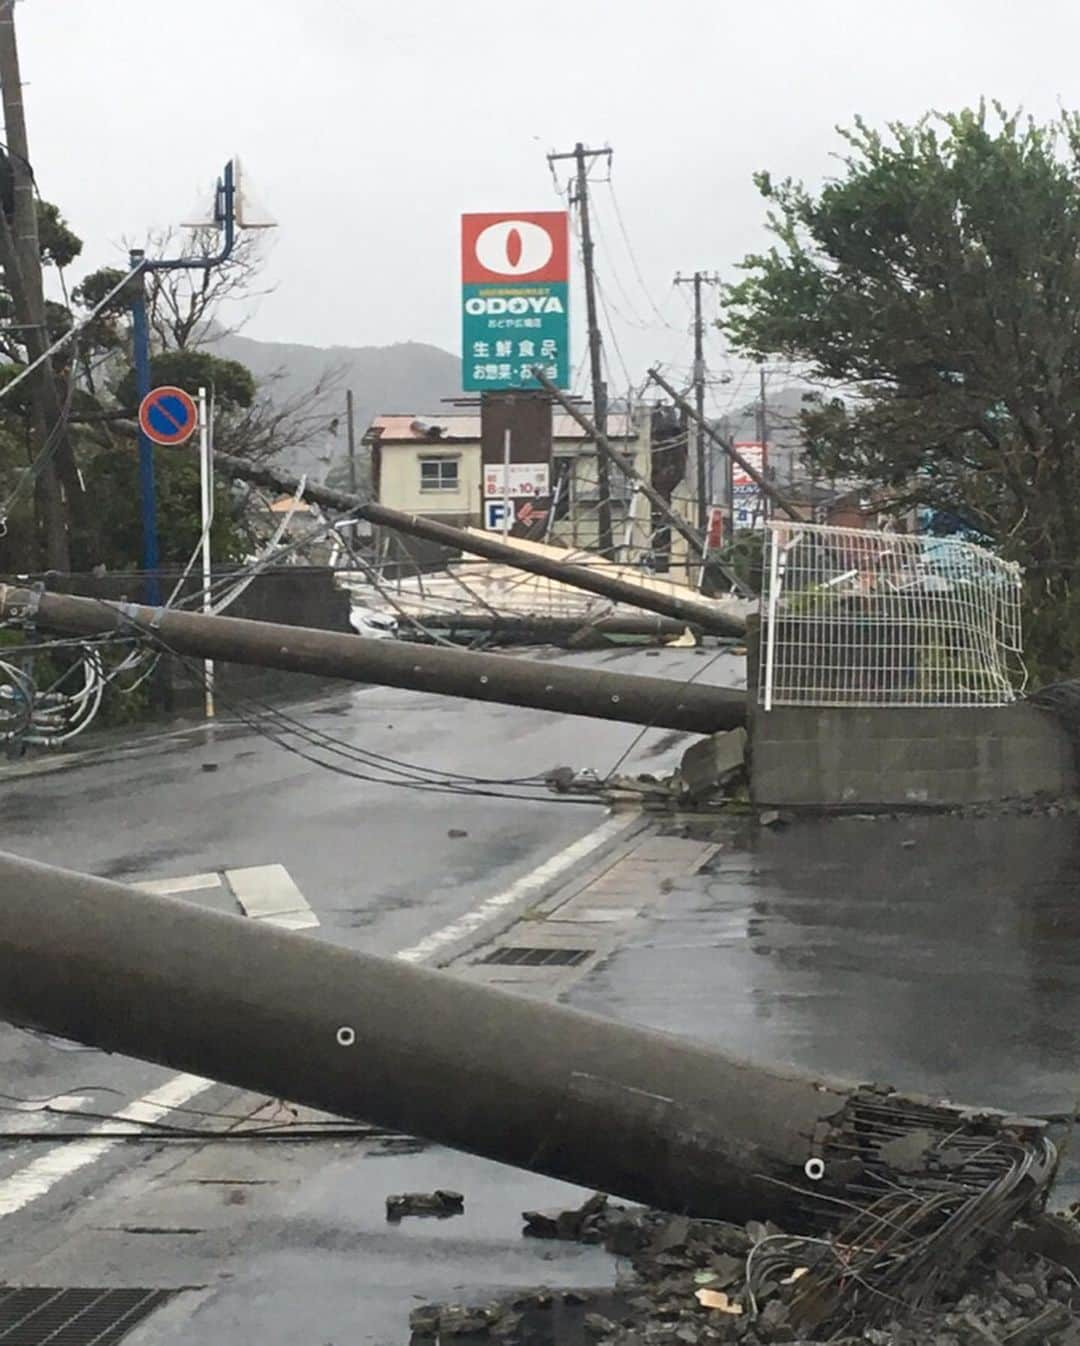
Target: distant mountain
{"x": 408, "y": 376}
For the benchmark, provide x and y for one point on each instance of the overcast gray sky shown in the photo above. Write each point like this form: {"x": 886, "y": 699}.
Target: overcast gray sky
{"x": 369, "y": 127}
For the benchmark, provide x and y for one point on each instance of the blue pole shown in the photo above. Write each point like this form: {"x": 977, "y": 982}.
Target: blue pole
{"x": 140, "y": 334}
{"x": 225, "y": 217}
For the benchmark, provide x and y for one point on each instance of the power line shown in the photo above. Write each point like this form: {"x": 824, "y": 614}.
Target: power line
{"x": 633, "y": 256}
{"x": 279, "y": 727}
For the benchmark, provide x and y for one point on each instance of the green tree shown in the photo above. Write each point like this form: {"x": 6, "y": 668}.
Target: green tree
{"x": 933, "y": 289}
{"x": 112, "y": 471}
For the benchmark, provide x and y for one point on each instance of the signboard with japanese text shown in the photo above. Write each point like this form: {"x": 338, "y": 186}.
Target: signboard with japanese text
{"x": 748, "y": 504}
{"x": 515, "y": 271}
{"x": 517, "y": 479}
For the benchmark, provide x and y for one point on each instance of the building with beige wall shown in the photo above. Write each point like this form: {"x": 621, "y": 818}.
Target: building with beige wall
{"x": 431, "y": 465}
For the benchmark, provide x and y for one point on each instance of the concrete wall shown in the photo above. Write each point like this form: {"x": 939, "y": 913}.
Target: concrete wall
{"x": 905, "y": 756}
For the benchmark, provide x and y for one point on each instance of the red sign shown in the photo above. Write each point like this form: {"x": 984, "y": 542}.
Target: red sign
{"x": 168, "y": 415}
{"x": 714, "y": 538}
{"x": 754, "y": 454}
{"x": 529, "y": 514}
{"x": 503, "y": 248}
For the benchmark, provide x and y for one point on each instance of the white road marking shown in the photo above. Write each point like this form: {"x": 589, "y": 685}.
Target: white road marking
{"x": 527, "y": 884}
{"x": 268, "y": 893}
{"x": 33, "y": 1118}
{"x": 42, "y": 1174}
{"x": 188, "y": 883}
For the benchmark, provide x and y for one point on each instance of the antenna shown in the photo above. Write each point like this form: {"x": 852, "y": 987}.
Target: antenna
{"x": 250, "y": 212}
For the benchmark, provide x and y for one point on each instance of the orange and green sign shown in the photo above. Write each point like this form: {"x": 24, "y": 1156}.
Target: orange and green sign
{"x": 514, "y": 273}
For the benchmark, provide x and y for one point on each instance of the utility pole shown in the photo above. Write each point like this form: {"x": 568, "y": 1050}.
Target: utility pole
{"x": 767, "y": 487}
{"x": 581, "y": 155}
{"x": 350, "y": 428}
{"x": 697, "y": 280}
{"x": 763, "y": 433}
{"x": 604, "y": 580}
{"x": 665, "y": 703}
{"x": 21, "y": 256}
{"x": 684, "y": 1125}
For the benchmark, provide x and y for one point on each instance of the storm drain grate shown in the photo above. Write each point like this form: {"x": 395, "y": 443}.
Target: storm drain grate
{"x": 65, "y": 1317}
{"x": 520, "y": 956}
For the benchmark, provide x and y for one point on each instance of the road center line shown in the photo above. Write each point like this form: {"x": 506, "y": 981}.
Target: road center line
{"x": 68, "y": 1157}
{"x": 533, "y": 882}
{"x": 42, "y": 1174}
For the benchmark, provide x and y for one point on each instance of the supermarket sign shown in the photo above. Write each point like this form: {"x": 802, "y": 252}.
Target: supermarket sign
{"x": 515, "y": 272}
{"x": 748, "y": 505}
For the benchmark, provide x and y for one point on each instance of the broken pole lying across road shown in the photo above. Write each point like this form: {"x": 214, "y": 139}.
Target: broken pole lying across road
{"x": 709, "y": 615}
{"x": 640, "y": 1114}
{"x": 660, "y": 702}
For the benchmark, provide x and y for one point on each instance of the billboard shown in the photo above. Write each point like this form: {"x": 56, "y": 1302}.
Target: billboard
{"x": 748, "y": 504}
{"x": 515, "y": 270}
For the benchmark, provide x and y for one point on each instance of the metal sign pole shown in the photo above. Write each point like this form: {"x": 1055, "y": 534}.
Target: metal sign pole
{"x": 225, "y": 218}
{"x": 206, "y": 489}
{"x": 506, "y": 482}
{"x": 140, "y": 338}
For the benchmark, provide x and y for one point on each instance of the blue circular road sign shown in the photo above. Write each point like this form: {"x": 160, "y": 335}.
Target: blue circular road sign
{"x": 168, "y": 415}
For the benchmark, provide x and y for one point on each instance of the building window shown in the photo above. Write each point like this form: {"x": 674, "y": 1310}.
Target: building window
{"x": 439, "y": 474}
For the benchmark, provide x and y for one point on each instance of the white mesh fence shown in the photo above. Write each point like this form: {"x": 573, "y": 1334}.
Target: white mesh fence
{"x": 858, "y": 618}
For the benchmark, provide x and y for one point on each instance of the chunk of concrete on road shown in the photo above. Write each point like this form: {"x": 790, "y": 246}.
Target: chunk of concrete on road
{"x": 440, "y": 1203}
{"x": 712, "y": 763}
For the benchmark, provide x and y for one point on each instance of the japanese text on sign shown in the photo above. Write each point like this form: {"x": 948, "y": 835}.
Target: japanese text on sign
{"x": 515, "y": 270}
{"x": 516, "y": 479}
{"x": 747, "y": 501}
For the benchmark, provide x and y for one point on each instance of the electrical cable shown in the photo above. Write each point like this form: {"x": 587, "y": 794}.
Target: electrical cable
{"x": 704, "y": 668}
{"x": 69, "y": 335}
{"x": 422, "y": 779}
{"x": 633, "y": 256}
{"x": 41, "y": 460}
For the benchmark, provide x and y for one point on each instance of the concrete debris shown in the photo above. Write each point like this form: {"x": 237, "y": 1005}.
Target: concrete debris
{"x": 712, "y": 772}
{"x": 439, "y": 1203}
{"x": 393, "y": 1145}
{"x": 453, "y": 1320}
{"x": 570, "y": 1225}
{"x": 697, "y": 1282}
{"x": 713, "y": 764}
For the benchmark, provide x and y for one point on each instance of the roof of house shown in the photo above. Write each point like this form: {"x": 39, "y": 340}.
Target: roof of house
{"x": 464, "y": 428}
{"x": 284, "y": 503}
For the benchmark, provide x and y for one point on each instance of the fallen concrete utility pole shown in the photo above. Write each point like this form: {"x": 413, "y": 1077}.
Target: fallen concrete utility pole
{"x": 765, "y": 486}
{"x": 549, "y": 628}
{"x": 709, "y": 616}
{"x": 685, "y": 530}
{"x": 663, "y": 702}
{"x": 639, "y": 1114}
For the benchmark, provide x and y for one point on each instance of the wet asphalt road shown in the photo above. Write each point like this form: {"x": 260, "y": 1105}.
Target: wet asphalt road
{"x": 382, "y": 867}
{"x": 940, "y": 955}
{"x": 936, "y": 954}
